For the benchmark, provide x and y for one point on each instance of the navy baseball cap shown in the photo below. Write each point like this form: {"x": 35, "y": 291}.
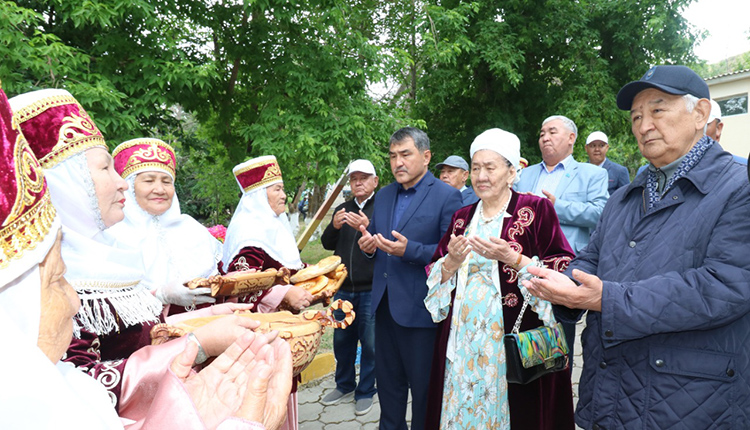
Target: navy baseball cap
{"x": 454, "y": 161}
{"x": 676, "y": 80}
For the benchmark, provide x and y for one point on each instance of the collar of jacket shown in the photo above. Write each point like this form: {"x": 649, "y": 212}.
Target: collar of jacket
{"x": 703, "y": 175}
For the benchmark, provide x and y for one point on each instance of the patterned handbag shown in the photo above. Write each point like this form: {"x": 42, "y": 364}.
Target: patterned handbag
{"x": 534, "y": 353}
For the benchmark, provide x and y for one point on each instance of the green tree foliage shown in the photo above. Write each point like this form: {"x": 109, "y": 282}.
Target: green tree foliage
{"x": 511, "y": 64}
{"x": 729, "y": 65}
{"x": 261, "y": 77}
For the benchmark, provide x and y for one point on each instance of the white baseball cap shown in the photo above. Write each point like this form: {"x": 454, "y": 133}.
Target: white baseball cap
{"x": 715, "y": 112}
{"x": 597, "y": 135}
{"x": 364, "y": 166}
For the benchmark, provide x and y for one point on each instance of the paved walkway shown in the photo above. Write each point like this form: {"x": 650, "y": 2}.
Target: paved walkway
{"x": 314, "y": 416}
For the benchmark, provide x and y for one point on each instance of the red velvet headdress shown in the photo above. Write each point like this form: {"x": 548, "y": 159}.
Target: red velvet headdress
{"x": 26, "y": 212}
{"x": 55, "y": 124}
{"x": 257, "y": 173}
{"x": 144, "y": 154}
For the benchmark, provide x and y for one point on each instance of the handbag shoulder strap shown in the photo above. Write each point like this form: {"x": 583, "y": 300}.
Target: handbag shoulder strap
{"x": 517, "y": 325}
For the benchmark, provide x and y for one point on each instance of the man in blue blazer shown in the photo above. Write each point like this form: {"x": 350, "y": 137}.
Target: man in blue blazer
{"x": 597, "y": 146}
{"x": 410, "y": 217}
{"x": 577, "y": 190}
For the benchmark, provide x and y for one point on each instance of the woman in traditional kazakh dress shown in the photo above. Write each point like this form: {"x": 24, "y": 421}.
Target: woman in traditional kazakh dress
{"x": 175, "y": 247}
{"x": 474, "y": 294}
{"x": 259, "y": 235}
{"x": 37, "y": 306}
{"x": 117, "y": 311}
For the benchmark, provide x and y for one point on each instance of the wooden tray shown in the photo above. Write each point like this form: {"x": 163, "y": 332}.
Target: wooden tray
{"x": 302, "y": 332}
{"x": 238, "y": 283}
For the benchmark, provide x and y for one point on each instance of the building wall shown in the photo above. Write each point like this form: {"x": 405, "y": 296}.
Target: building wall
{"x": 735, "y": 136}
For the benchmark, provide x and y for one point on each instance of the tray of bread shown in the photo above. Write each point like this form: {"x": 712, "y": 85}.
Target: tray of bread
{"x": 321, "y": 280}
{"x": 302, "y": 332}
{"x": 239, "y": 283}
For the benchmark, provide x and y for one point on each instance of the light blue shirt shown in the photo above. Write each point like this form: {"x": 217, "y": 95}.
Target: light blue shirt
{"x": 550, "y": 180}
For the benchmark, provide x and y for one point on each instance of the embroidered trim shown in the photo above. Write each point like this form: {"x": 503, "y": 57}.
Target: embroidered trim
{"x": 138, "y": 159}
{"x": 30, "y": 222}
{"x": 525, "y": 218}
{"x": 558, "y": 264}
{"x": 147, "y": 166}
{"x": 26, "y": 232}
{"x": 509, "y": 269}
{"x": 107, "y": 305}
{"x": 36, "y": 108}
{"x": 59, "y": 155}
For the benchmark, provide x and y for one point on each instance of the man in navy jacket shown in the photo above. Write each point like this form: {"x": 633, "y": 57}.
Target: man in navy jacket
{"x": 410, "y": 217}
{"x": 597, "y": 146}
{"x": 666, "y": 275}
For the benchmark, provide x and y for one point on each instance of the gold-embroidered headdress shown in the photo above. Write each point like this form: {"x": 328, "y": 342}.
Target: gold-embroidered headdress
{"x": 142, "y": 155}
{"x": 55, "y": 125}
{"x": 257, "y": 173}
{"x": 27, "y": 216}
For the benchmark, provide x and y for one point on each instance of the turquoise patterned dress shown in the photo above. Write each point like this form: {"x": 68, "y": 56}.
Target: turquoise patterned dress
{"x": 475, "y": 392}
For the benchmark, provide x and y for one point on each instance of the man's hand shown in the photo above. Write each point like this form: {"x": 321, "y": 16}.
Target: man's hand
{"x": 397, "y": 247}
{"x": 339, "y": 218}
{"x": 355, "y": 220}
{"x": 558, "y": 289}
{"x": 550, "y": 196}
{"x": 367, "y": 241}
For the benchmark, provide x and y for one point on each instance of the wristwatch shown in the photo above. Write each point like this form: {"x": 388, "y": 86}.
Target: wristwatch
{"x": 202, "y": 356}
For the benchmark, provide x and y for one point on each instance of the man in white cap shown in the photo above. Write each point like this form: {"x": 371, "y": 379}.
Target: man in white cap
{"x": 341, "y": 236}
{"x": 454, "y": 171}
{"x": 597, "y": 146}
{"x": 714, "y": 125}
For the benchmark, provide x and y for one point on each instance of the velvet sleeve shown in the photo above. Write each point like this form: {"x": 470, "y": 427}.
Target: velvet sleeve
{"x": 84, "y": 353}
{"x": 550, "y": 244}
{"x": 252, "y": 257}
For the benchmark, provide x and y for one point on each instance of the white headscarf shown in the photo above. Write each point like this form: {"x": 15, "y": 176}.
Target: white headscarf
{"x": 502, "y": 142}
{"x": 255, "y": 224}
{"x": 38, "y": 394}
{"x": 101, "y": 271}
{"x": 175, "y": 247}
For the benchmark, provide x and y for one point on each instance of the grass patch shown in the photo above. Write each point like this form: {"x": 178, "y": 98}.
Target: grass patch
{"x": 311, "y": 254}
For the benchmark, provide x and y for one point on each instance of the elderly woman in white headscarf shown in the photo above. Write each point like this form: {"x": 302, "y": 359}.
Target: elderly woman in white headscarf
{"x": 476, "y": 268}
{"x": 259, "y": 236}
{"x": 175, "y": 247}
{"x": 36, "y": 309}
{"x": 117, "y": 311}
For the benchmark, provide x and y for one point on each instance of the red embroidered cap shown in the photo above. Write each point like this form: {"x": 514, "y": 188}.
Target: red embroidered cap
{"x": 257, "y": 173}
{"x": 26, "y": 212}
{"x": 144, "y": 155}
{"x": 55, "y": 124}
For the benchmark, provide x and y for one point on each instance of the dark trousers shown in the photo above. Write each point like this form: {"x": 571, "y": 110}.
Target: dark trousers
{"x": 345, "y": 343}
{"x": 570, "y": 337}
{"x": 403, "y": 362}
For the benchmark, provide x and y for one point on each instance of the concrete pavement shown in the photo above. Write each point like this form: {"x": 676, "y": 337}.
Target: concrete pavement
{"x": 314, "y": 416}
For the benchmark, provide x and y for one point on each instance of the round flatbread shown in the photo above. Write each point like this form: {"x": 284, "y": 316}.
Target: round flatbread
{"x": 324, "y": 266}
